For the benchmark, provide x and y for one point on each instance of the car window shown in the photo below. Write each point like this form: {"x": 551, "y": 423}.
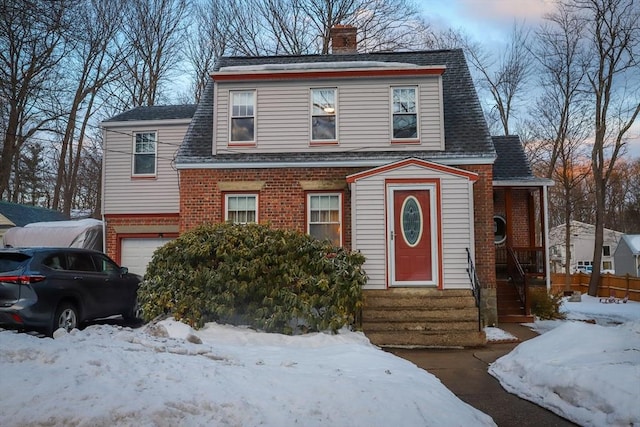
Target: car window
{"x": 80, "y": 262}
{"x": 12, "y": 261}
{"x": 55, "y": 262}
{"x": 105, "y": 265}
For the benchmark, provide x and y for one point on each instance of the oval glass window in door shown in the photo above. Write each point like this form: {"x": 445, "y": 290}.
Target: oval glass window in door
{"x": 411, "y": 221}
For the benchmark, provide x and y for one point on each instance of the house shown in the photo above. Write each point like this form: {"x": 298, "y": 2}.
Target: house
{"x": 18, "y": 215}
{"x": 627, "y": 256}
{"x": 140, "y": 191}
{"x": 582, "y": 242}
{"x": 388, "y": 154}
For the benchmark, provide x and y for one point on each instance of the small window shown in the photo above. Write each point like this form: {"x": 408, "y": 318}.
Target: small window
{"x": 105, "y": 265}
{"x": 241, "y": 208}
{"x": 607, "y": 265}
{"x": 323, "y": 114}
{"x": 80, "y": 262}
{"x": 242, "y": 116}
{"x": 606, "y": 250}
{"x": 55, "y": 262}
{"x": 405, "y": 116}
{"x": 324, "y": 213}
{"x": 499, "y": 230}
{"x": 144, "y": 153}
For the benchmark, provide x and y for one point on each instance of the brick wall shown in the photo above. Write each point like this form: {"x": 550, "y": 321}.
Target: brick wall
{"x": 519, "y": 215}
{"x": 281, "y": 200}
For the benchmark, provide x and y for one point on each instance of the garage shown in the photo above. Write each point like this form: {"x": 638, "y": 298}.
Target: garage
{"x": 135, "y": 253}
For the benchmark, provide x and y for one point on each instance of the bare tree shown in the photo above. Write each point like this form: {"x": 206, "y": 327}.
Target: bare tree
{"x": 31, "y": 45}
{"x": 503, "y": 78}
{"x": 614, "y": 37}
{"x": 154, "y": 31}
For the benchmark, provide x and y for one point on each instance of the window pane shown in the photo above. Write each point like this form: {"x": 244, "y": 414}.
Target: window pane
{"x": 144, "y": 164}
{"x": 405, "y": 126}
{"x": 323, "y": 127}
{"x": 242, "y": 129}
{"x": 404, "y": 100}
{"x": 323, "y": 101}
{"x": 326, "y": 231}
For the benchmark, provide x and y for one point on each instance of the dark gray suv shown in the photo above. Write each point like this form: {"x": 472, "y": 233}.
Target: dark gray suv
{"x": 50, "y": 288}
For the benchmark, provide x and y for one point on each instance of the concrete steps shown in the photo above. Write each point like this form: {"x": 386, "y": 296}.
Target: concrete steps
{"x": 417, "y": 317}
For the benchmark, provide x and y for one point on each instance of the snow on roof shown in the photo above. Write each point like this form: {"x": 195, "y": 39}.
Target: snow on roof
{"x": 323, "y": 66}
{"x": 633, "y": 240}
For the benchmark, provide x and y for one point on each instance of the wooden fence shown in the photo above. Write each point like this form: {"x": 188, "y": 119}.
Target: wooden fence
{"x": 610, "y": 285}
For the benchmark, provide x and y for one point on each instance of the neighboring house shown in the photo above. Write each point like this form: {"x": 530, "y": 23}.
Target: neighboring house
{"x": 627, "y": 255}
{"x": 384, "y": 153}
{"x": 582, "y": 242}
{"x": 140, "y": 194}
{"x": 17, "y": 215}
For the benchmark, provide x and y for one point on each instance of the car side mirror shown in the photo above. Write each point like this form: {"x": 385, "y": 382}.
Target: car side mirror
{"x": 124, "y": 270}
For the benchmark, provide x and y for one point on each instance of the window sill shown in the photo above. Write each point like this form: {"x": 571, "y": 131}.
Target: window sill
{"x": 143, "y": 177}
{"x": 405, "y": 141}
{"x": 241, "y": 144}
{"x": 321, "y": 143}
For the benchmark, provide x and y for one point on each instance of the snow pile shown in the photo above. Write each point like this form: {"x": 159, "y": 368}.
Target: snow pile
{"x": 587, "y": 373}
{"x": 108, "y": 375}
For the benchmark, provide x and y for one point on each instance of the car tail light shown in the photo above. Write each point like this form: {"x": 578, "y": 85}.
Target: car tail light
{"x": 22, "y": 280}
{"x": 16, "y": 317}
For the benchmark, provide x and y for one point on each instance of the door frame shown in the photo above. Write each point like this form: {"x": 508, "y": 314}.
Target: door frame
{"x": 433, "y": 186}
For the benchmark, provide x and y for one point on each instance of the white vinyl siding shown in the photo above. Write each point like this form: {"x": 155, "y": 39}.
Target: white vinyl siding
{"x": 283, "y": 112}
{"x": 126, "y": 194}
{"x": 455, "y": 215}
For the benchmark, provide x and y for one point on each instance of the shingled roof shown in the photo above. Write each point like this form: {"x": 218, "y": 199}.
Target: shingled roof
{"x": 21, "y": 215}
{"x": 466, "y": 132}
{"x": 512, "y": 164}
{"x": 156, "y": 112}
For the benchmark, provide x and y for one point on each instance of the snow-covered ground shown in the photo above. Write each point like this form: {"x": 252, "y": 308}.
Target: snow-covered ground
{"x": 107, "y": 375}
{"x": 587, "y": 373}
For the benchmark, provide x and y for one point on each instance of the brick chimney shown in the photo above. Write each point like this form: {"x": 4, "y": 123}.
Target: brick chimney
{"x": 343, "y": 39}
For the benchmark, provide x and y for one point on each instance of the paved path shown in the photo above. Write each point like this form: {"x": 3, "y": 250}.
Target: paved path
{"x": 464, "y": 372}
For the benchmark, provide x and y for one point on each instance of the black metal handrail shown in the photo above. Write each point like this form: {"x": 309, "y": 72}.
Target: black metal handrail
{"x": 517, "y": 275}
{"x": 475, "y": 285}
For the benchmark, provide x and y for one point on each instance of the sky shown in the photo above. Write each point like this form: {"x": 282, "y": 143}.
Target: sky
{"x": 491, "y": 22}
{"x": 168, "y": 374}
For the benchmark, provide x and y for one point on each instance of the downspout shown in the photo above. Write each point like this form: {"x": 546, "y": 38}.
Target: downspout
{"x": 103, "y": 173}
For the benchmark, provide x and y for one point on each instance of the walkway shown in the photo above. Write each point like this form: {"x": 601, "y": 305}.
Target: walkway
{"x": 464, "y": 372}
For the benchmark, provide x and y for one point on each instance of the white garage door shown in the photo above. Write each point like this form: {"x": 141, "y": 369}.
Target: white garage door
{"x": 135, "y": 254}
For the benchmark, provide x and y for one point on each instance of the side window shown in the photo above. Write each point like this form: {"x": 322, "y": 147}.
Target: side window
{"x": 324, "y": 216}
{"x": 499, "y": 230}
{"x": 144, "y": 154}
{"x": 55, "y": 262}
{"x": 80, "y": 262}
{"x": 242, "y": 117}
{"x": 241, "y": 208}
{"x": 404, "y": 101}
{"x": 105, "y": 265}
{"x": 323, "y": 114}
{"x": 606, "y": 250}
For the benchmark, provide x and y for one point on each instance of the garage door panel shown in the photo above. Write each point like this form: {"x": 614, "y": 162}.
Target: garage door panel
{"x": 136, "y": 253}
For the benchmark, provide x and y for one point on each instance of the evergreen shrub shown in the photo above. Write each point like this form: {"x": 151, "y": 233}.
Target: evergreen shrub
{"x": 272, "y": 280}
{"x": 545, "y": 305}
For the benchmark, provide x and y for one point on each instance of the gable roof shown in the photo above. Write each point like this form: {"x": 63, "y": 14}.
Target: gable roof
{"x": 21, "y": 215}
{"x": 633, "y": 242}
{"x": 155, "y": 112}
{"x": 471, "y": 176}
{"x": 466, "y": 132}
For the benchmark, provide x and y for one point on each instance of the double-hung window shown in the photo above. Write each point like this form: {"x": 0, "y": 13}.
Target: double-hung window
{"x": 323, "y": 114}
{"x": 241, "y": 208}
{"x": 405, "y": 112}
{"x": 324, "y": 216}
{"x": 144, "y": 153}
{"x": 243, "y": 120}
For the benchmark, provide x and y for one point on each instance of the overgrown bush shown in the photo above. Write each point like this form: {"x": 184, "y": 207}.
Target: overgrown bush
{"x": 546, "y": 305}
{"x": 273, "y": 280}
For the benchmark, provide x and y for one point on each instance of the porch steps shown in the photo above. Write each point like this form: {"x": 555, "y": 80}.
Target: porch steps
{"x": 510, "y": 308}
{"x": 408, "y": 317}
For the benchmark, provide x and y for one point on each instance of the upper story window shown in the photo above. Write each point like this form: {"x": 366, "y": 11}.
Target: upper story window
{"x": 243, "y": 107}
{"x": 324, "y": 217}
{"x": 144, "y": 153}
{"x": 405, "y": 112}
{"x": 241, "y": 208}
{"x": 606, "y": 250}
{"x": 323, "y": 114}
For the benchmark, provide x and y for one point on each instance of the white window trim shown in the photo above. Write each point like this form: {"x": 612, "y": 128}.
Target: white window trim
{"x": 417, "y": 113}
{"x": 340, "y": 211}
{"x": 226, "y": 205}
{"x": 335, "y": 114}
{"x": 155, "y": 155}
{"x": 255, "y": 118}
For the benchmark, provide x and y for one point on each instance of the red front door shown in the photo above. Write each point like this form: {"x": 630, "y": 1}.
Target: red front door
{"x": 412, "y": 237}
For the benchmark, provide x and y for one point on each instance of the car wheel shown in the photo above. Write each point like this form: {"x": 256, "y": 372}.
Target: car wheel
{"x": 134, "y": 315}
{"x": 66, "y": 317}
